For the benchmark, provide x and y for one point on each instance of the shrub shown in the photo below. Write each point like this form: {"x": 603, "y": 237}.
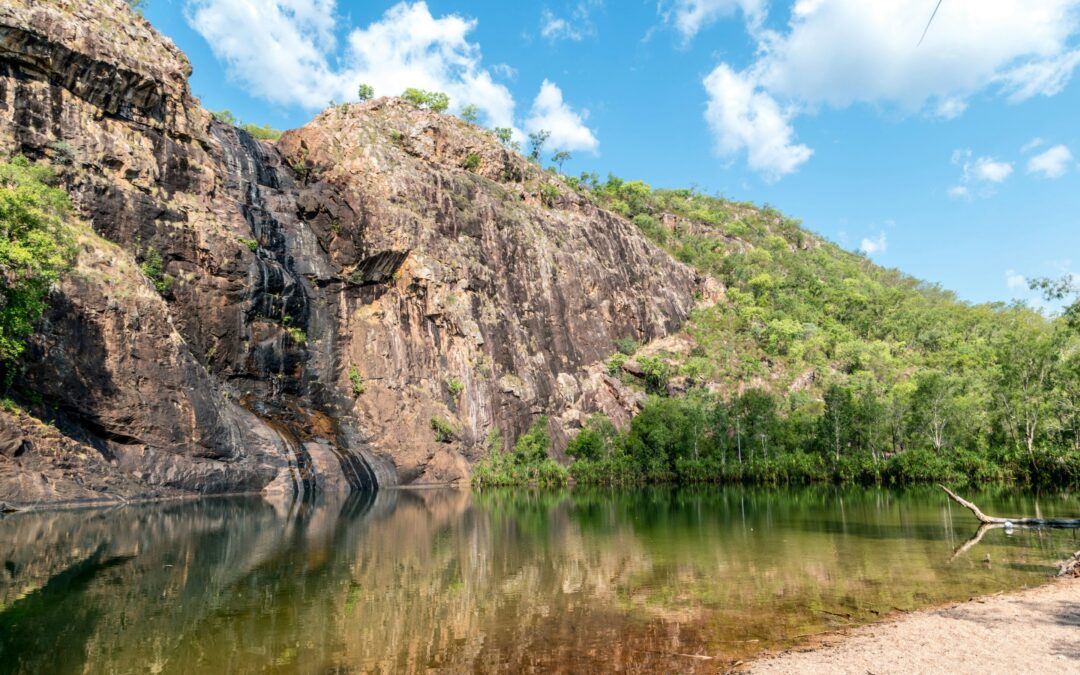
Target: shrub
{"x": 626, "y": 345}
{"x": 37, "y": 246}
{"x": 252, "y": 244}
{"x": 444, "y": 431}
{"x": 154, "y": 269}
{"x": 356, "y": 381}
{"x": 615, "y": 363}
{"x": 365, "y": 92}
{"x": 472, "y": 162}
{"x": 455, "y": 386}
{"x": 297, "y": 335}
{"x": 430, "y": 100}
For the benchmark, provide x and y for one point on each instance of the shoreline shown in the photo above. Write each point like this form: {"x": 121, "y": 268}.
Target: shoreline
{"x": 1029, "y": 630}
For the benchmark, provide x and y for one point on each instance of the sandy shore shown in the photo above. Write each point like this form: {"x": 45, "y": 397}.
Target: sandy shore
{"x": 1032, "y": 631}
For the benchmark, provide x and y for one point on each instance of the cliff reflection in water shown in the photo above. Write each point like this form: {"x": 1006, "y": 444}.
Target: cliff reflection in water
{"x": 446, "y": 579}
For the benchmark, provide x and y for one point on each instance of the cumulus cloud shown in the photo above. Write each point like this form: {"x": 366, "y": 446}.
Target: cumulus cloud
{"x": 1053, "y": 163}
{"x": 294, "y": 59}
{"x": 576, "y": 26}
{"x": 567, "y": 127}
{"x": 874, "y": 246}
{"x": 838, "y": 53}
{"x": 689, "y": 17}
{"x": 743, "y": 117}
{"x": 1014, "y": 280}
{"x": 978, "y": 175}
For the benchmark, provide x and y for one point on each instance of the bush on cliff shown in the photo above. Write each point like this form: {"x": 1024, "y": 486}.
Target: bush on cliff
{"x": 36, "y": 247}
{"x": 528, "y": 463}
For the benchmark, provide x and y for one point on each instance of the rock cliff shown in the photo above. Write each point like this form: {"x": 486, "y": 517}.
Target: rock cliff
{"x": 324, "y": 297}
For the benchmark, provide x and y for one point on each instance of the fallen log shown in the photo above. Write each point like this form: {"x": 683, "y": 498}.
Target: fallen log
{"x": 1025, "y": 522}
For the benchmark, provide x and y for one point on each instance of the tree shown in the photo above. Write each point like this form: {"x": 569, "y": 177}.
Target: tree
{"x": 225, "y": 117}
{"x": 536, "y": 143}
{"x": 1061, "y": 289}
{"x": 36, "y": 248}
{"x": 560, "y": 157}
{"x": 137, "y": 5}
{"x": 838, "y": 419}
{"x": 1025, "y": 358}
{"x": 365, "y": 92}
{"x": 933, "y": 404}
{"x": 470, "y": 113}
{"x": 429, "y": 100}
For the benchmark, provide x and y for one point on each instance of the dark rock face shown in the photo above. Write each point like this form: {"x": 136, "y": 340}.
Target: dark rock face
{"x": 356, "y": 255}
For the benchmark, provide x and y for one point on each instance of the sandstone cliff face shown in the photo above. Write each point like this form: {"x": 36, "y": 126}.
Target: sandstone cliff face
{"x": 359, "y": 249}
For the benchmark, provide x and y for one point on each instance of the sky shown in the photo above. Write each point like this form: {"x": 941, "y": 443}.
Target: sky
{"x": 947, "y": 148}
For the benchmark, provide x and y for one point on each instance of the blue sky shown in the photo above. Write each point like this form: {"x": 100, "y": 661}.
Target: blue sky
{"x": 954, "y": 160}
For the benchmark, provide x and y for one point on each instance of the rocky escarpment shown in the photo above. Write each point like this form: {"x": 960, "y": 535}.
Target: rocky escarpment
{"x": 323, "y": 299}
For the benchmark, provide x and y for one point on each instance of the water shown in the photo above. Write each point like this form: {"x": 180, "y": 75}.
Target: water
{"x": 452, "y": 580}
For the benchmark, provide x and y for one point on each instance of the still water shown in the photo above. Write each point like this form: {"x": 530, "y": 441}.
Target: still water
{"x": 449, "y": 580}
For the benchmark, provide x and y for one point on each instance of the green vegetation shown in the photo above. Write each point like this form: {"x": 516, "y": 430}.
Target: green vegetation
{"x": 36, "y": 247}
{"x": 471, "y": 113}
{"x": 472, "y": 162}
{"x": 252, "y": 244}
{"x": 356, "y": 381}
{"x": 560, "y": 157}
{"x": 263, "y": 133}
{"x": 455, "y": 386}
{"x": 505, "y": 135}
{"x": 365, "y": 92}
{"x": 860, "y": 373}
{"x": 830, "y": 368}
{"x": 430, "y": 100}
{"x": 153, "y": 267}
{"x": 137, "y": 5}
{"x": 444, "y": 431}
{"x": 297, "y": 335}
{"x": 528, "y": 463}
{"x": 536, "y": 144}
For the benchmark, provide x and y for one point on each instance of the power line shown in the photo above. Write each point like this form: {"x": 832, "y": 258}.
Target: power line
{"x": 936, "y": 8}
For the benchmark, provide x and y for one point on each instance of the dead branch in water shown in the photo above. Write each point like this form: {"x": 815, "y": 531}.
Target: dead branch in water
{"x": 1026, "y": 522}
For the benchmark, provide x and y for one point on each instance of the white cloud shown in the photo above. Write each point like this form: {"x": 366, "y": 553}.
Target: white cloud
{"x": 576, "y": 26}
{"x": 1014, "y": 280}
{"x": 1053, "y": 163}
{"x": 978, "y": 175}
{"x": 284, "y": 51}
{"x": 991, "y": 170}
{"x": 745, "y": 118}
{"x": 691, "y": 16}
{"x": 874, "y": 246}
{"x": 1032, "y": 144}
{"x": 567, "y": 127}
{"x": 838, "y": 53}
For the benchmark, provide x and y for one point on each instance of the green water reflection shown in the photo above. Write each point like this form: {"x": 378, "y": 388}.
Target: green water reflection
{"x": 453, "y": 580}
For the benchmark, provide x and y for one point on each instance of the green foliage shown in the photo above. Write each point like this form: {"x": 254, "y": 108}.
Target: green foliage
{"x": 225, "y": 117}
{"x": 536, "y": 143}
{"x": 881, "y": 365}
{"x": 527, "y": 464}
{"x": 297, "y": 335}
{"x": 444, "y": 431}
{"x": 549, "y": 194}
{"x": 626, "y": 345}
{"x": 471, "y": 113}
{"x": 455, "y": 386}
{"x": 252, "y": 244}
{"x": 137, "y": 5}
{"x": 656, "y": 373}
{"x": 37, "y": 246}
{"x": 560, "y": 157}
{"x": 504, "y": 135}
{"x": 472, "y": 162}
{"x": 356, "y": 381}
{"x": 430, "y": 100}
{"x": 153, "y": 267}
{"x": 615, "y": 363}
{"x": 365, "y": 92}
{"x": 264, "y": 132}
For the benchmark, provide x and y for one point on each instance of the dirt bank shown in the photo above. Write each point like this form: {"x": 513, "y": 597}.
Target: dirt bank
{"x": 1033, "y": 631}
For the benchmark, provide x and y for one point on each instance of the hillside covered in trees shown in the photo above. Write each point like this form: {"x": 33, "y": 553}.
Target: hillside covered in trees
{"x": 816, "y": 364}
